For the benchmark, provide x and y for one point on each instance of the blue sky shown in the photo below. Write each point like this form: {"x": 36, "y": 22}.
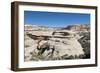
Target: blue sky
{"x": 55, "y": 19}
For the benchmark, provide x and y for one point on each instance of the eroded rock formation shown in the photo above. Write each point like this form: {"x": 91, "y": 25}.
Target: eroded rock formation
{"x": 56, "y": 44}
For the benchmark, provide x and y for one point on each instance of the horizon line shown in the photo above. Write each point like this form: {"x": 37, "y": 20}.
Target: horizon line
{"x": 56, "y": 26}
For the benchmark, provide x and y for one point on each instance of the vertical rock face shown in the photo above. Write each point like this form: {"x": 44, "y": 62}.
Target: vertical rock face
{"x": 43, "y": 43}
{"x": 79, "y": 27}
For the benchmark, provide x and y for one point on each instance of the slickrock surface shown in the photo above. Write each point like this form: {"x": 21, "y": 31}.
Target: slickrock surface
{"x": 43, "y": 43}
